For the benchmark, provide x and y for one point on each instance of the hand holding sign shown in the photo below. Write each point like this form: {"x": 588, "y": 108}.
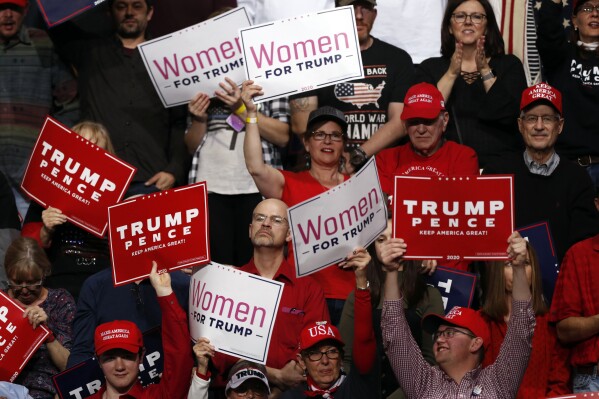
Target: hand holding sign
{"x": 517, "y": 250}
{"x": 36, "y": 316}
{"x": 392, "y": 251}
{"x": 249, "y": 90}
{"x": 160, "y": 281}
{"x": 203, "y": 352}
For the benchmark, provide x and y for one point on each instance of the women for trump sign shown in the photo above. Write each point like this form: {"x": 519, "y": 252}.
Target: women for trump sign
{"x": 169, "y": 227}
{"x": 235, "y": 310}
{"x": 454, "y": 218}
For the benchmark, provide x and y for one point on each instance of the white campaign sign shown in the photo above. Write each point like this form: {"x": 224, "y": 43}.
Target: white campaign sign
{"x": 302, "y": 53}
{"x": 327, "y": 227}
{"x": 197, "y": 58}
{"x": 234, "y": 309}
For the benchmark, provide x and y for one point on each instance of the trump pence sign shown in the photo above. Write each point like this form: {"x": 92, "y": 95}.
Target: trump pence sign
{"x": 235, "y": 310}
{"x": 81, "y": 179}
{"x": 169, "y": 227}
{"x": 454, "y": 218}
{"x": 302, "y": 53}
{"x": 197, "y": 58}
{"x": 18, "y": 339}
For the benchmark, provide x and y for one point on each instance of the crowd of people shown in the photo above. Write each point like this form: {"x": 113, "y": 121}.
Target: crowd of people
{"x": 369, "y": 326}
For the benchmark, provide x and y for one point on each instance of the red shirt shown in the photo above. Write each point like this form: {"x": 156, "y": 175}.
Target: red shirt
{"x": 452, "y": 159}
{"x": 336, "y": 283}
{"x": 302, "y": 303}
{"x": 576, "y": 294}
{"x": 178, "y": 357}
{"x": 547, "y": 373}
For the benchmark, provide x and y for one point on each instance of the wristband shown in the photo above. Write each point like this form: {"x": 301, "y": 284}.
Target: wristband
{"x": 487, "y": 76}
{"x": 251, "y": 120}
{"x": 364, "y": 288}
{"x": 50, "y": 338}
{"x": 240, "y": 110}
{"x": 358, "y": 157}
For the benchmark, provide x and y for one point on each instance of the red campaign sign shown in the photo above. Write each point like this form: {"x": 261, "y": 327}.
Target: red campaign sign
{"x": 169, "y": 227}
{"x": 18, "y": 339}
{"x": 81, "y": 179}
{"x": 454, "y": 218}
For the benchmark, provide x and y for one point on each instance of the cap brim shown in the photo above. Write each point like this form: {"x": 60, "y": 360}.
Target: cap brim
{"x": 238, "y": 383}
{"x": 326, "y": 118}
{"x": 420, "y": 114}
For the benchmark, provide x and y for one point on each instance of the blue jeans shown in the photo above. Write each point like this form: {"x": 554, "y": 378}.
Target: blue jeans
{"x": 586, "y": 382}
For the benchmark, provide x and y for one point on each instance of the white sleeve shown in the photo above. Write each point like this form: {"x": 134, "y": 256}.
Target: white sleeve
{"x": 198, "y": 388}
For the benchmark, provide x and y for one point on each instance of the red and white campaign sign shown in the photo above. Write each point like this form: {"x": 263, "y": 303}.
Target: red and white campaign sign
{"x": 169, "y": 227}
{"x": 81, "y": 179}
{"x": 18, "y": 339}
{"x": 235, "y": 310}
{"x": 454, "y": 218}
{"x": 197, "y": 58}
{"x": 303, "y": 53}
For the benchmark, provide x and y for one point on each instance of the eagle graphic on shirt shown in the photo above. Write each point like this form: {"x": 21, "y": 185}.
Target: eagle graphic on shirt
{"x": 359, "y": 94}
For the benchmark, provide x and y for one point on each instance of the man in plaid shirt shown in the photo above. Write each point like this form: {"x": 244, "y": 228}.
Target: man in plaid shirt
{"x": 459, "y": 339}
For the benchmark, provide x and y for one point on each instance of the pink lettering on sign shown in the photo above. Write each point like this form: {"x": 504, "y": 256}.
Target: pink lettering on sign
{"x": 223, "y": 306}
{"x": 283, "y": 53}
{"x": 200, "y": 60}
{"x": 342, "y": 221}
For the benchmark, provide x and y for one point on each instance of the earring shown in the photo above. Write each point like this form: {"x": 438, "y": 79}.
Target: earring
{"x": 307, "y": 158}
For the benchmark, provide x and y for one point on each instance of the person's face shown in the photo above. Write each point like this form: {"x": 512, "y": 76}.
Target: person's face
{"x": 250, "y": 389}
{"x": 468, "y": 32}
{"x": 11, "y": 20}
{"x": 540, "y": 133}
{"x": 327, "y": 151}
{"x": 508, "y": 272}
{"x": 326, "y": 371}
{"x": 120, "y": 367}
{"x": 454, "y": 350}
{"x": 587, "y": 22}
{"x": 426, "y": 134}
{"x": 27, "y": 290}
{"x": 97, "y": 139}
{"x": 131, "y": 17}
{"x": 382, "y": 238}
{"x": 365, "y": 15}
{"x": 269, "y": 227}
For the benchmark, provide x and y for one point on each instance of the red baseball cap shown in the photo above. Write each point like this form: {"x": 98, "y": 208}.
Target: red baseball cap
{"x": 459, "y": 317}
{"x": 20, "y": 3}
{"x": 317, "y": 332}
{"x": 542, "y": 92}
{"x": 423, "y": 100}
{"x": 118, "y": 334}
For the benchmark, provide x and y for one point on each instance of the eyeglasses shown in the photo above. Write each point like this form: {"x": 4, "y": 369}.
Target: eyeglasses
{"x": 257, "y": 392}
{"x": 449, "y": 333}
{"x": 589, "y": 8}
{"x": 331, "y": 354}
{"x": 319, "y": 135}
{"x": 20, "y": 287}
{"x": 546, "y": 119}
{"x": 274, "y": 219}
{"x": 476, "y": 18}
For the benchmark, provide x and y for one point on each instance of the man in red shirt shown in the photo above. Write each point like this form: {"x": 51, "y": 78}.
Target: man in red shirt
{"x": 575, "y": 309}
{"x": 302, "y": 302}
{"x": 119, "y": 349}
{"x": 428, "y": 153}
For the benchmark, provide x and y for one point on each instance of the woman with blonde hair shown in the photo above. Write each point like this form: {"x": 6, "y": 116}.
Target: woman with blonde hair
{"x": 75, "y": 253}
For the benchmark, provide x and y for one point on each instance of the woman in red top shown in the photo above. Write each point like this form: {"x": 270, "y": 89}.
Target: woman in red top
{"x": 323, "y": 141}
{"x": 547, "y": 373}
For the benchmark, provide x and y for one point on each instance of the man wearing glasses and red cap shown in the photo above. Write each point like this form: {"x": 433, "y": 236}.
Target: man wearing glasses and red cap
{"x": 119, "y": 349}
{"x": 460, "y": 339}
{"x": 428, "y": 153}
